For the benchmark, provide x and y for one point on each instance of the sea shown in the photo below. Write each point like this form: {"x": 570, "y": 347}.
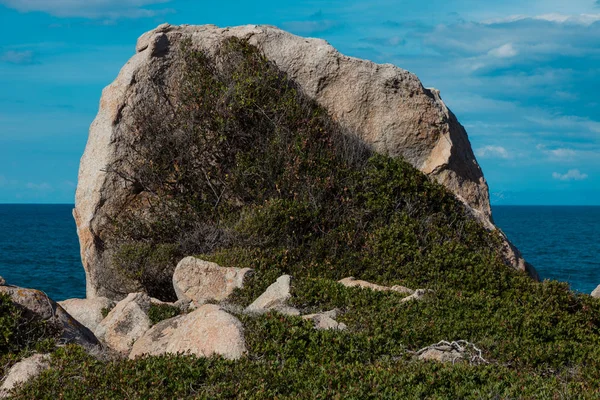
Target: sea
{"x": 39, "y": 246}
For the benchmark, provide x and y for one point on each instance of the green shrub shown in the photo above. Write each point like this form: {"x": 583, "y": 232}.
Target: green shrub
{"x": 160, "y": 312}
{"x": 248, "y": 172}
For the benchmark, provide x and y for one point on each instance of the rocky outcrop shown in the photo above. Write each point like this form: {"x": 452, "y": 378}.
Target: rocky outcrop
{"x": 23, "y": 371}
{"x": 125, "y": 323}
{"x": 88, "y": 311}
{"x": 353, "y": 282}
{"x": 205, "y": 332}
{"x": 37, "y": 305}
{"x": 203, "y": 281}
{"x": 386, "y": 106}
{"x": 596, "y": 292}
{"x": 275, "y": 298}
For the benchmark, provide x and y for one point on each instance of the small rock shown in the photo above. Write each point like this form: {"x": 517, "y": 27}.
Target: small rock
{"x": 203, "y": 281}
{"x": 207, "y": 331}
{"x": 326, "y": 320}
{"x": 24, "y": 371}
{"x": 353, "y": 282}
{"x": 126, "y": 323}
{"x": 419, "y": 294}
{"x": 442, "y": 355}
{"x": 36, "y": 304}
{"x": 275, "y": 298}
{"x": 596, "y": 292}
{"x": 2, "y": 281}
{"x": 88, "y": 311}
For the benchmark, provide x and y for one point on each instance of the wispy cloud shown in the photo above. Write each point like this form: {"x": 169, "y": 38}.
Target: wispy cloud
{"x": 571, "y": 175}
{"x": 17, "y": 57}
{"x": 313, "y": 24}
{"x": 504, "y": 51}
{"x": 89, "y": 8}
{"x": 492, "y": 152}
{"x": 40, "y": 187}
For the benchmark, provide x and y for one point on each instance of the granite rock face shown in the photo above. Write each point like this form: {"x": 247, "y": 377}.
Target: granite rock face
{"x": 384, "y": 105}
{"x": 207, "y": 331}
{"x": 36, "y": 304}
{"x": 200, "y": 281}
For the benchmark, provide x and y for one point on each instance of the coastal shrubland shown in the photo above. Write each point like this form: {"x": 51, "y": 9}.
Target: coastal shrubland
{"x": 238, "y": 167}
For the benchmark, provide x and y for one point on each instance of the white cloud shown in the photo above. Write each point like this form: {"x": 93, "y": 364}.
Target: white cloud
{"x": 88, "y": 8}
{"x": 571, "y": 175}
{"x": 504, "y": 51}
{"x": 492, "y": 152}
{"x": 17, "y": 57}
{"x": 559, "y": 153}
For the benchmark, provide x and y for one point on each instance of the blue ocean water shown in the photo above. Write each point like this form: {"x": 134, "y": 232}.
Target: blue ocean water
{"x": 562, "y": 243}
{"x": 39, "y": 247}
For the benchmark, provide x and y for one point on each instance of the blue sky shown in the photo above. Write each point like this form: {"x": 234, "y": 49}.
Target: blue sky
{"x": 523, "y": 77}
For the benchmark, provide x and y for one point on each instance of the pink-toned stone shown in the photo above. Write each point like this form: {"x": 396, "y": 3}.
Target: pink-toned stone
{"x": 200, "y": 281}
{"x": 207, "y": 331}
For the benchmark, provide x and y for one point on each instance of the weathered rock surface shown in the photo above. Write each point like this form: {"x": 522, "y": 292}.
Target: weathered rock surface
{"x": 386, "y": 106}
{"x": 125, "y": 323}
{"x": 24, "y": 371}
{"x": 88, "y": 311}
{"x": 275, "y": 298}
{"x": 596, "y": 292}
{"x": 200, "y": 281}
{"x": 2, "y": 281}
{"x": 353, "y": 282}
{"x": 37, "y": 304}
{"x": 207, "y": 331}
{"x": 325, "y": 320}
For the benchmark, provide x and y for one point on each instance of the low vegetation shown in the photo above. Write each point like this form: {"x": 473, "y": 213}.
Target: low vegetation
{"x": 237, "y": 166}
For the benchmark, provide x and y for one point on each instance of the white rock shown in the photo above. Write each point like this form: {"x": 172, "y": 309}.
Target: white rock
{"x": 325, "y": 320}
{"x": 596, "y": 292}
{"x": 275, "y": 298}
{"x": 419, "y": 294}
{"x": 205, "y": 332}
{"x": 126, "y": 323}
{"x": 353, "y": 282}
{"x": 201, "y": 281}
{"x": 23, "y": 371}
{"x": 88, "y": 311}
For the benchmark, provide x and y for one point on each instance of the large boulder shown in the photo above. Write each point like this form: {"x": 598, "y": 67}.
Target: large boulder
{"x": 596, "y": 292}
{"x": 89, "y": 312}
{"x": 37, "y": 305}
{"x": 386, "y": 106}
{"x": 125, "y": 323}
{"x": 207, "y": 331}
{"x": 23, "y": 371}
{"x": 202, "y": 281}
